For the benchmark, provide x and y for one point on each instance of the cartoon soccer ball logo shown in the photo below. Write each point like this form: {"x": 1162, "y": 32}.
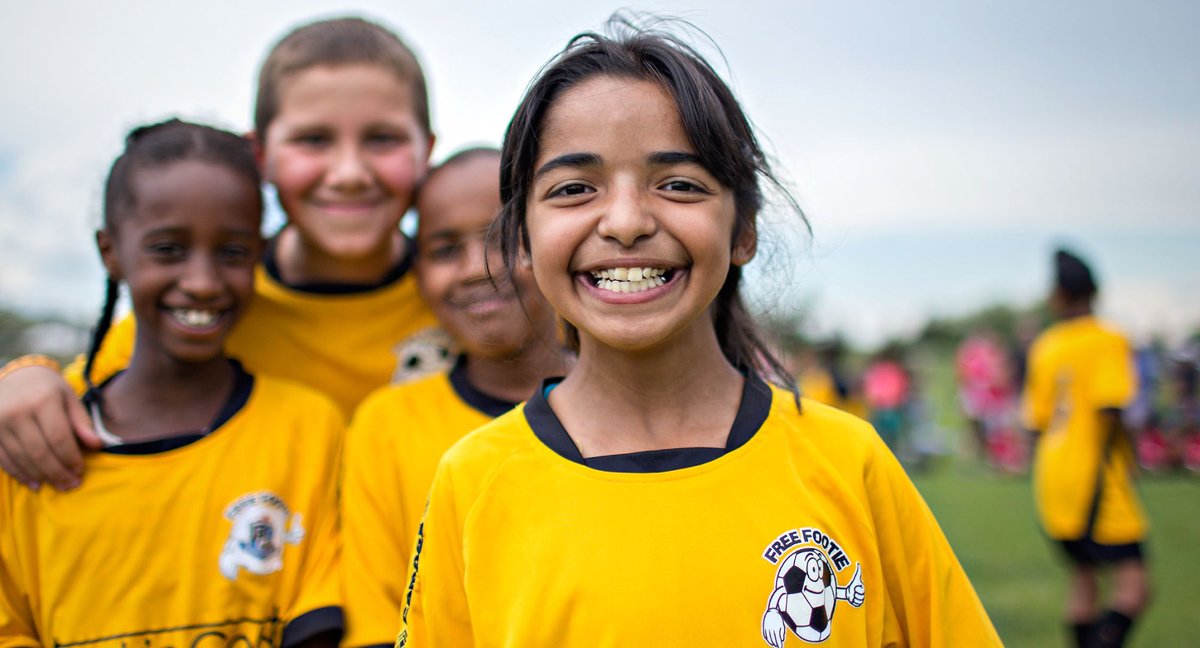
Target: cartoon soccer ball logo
{"x": 805, "y": 598}
{"x": 426, "y": 352}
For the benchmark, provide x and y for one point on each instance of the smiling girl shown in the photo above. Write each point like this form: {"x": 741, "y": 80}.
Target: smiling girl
{"x": 211, "y": 511}
{"x": 663, "y": 493}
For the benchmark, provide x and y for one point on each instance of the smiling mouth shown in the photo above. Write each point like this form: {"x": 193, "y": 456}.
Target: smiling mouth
{"x": 195, "y": 318}
{"x": 631, "y": 280}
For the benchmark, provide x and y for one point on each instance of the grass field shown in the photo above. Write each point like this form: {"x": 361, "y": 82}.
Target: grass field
{"x": 989, "y": 520}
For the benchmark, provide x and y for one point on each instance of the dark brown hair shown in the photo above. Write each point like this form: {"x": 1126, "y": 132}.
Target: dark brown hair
{"x": 339, "y": 41}
{"x": 716, "y": 127}
{"x": 155, "y": 146}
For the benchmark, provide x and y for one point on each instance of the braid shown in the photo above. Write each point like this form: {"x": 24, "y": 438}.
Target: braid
{"x": 111, "y": 293}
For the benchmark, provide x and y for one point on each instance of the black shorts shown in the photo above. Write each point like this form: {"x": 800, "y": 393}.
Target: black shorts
{"x": 1088, "y": 552}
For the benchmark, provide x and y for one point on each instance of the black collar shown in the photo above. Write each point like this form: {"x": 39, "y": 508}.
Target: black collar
{"x": 242, "y": 386}
{"x": 397, "y": 272}
{"x": 752, "y": 413}
{"x": 485, "y": 403}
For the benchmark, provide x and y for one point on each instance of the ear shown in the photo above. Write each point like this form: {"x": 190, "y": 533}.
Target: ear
{"x": 429, "y": 147}
{"x": 108, "y": 254}
{"x": 260, "y": 157}
{"x": 745, "y": 246}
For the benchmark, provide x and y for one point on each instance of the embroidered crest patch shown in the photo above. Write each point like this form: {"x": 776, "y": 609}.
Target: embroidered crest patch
{"x": 261, "y": 526}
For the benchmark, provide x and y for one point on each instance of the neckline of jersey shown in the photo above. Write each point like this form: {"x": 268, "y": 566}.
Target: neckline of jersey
{"x": 270, "y": 264}
{"x": 485, "y": 404}
{"x": 755, "y": 407}
{"x": 240, "y": 394}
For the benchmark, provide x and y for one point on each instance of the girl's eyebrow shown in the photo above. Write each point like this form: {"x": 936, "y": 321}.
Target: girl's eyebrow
{"x": 568, "y": 160}
{"x": 576, "y": 160}
{"x": 673, "y": 157}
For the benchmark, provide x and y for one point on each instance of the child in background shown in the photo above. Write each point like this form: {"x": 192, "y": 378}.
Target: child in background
{"x": 663, "y": 494}
{"x": 508, "y": 340}
{"x": 1079, "y": 379}
{"x": 211, "y": 511}
{"x": 341, "y": 129}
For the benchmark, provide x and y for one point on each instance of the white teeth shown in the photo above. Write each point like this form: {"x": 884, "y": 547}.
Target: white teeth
{"x": 191, "y": 317}
{"x": 629, "y": 280}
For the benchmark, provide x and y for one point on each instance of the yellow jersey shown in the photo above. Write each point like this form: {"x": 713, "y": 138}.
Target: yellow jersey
{"x": 231, "y": 537}
{"x": 1082, "y": 480}
{"x": 342, "y": 341}
{"x": 803, "y": 529}
{"x": 397, "y": 437}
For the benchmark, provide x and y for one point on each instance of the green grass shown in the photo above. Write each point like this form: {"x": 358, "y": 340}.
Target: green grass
{"x": 990, "y": 522}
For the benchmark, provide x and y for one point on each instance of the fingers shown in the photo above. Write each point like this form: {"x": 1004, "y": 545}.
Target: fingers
{"x": 9, "y": 450}
{"x": 38, "y": 458}
{"x": 64, "y": 462}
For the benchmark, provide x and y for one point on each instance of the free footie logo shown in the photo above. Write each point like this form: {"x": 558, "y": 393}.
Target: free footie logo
{"x": 806, "y": 590}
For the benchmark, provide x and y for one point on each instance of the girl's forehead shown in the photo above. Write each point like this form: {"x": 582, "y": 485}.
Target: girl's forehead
{"x": 604, "y": 111}
{"x": 194, "y": 190}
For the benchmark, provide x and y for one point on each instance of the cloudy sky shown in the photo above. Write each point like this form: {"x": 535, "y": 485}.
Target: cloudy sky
{"x": 939, "y": 149}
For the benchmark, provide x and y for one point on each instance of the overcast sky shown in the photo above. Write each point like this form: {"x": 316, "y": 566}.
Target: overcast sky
{"x": 939, "y": 150}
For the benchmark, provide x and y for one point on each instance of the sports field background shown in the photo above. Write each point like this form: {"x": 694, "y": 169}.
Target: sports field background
{"x": 990, "y": 522}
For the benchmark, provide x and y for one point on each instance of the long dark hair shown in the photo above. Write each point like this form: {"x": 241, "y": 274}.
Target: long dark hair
{"x": 716, "y": 127}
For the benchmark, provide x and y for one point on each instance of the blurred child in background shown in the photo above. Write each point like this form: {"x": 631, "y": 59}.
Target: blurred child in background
{"x": 507, "y": 337}
{"x": 1080, "y": 377}
{"x": 342, "y": 131}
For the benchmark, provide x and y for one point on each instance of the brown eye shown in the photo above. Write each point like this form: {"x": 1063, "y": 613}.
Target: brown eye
{"x": 573, "y": 189}
{"x": 166, "y": 251}
{"x": 683, "y": 186}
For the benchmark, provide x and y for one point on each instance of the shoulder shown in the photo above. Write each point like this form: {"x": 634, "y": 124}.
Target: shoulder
{"x": 1111, "y": 334}
{"x": 291, "y": 407}
{"x": 400, "y": 396}
{"x": 269, "y": 387}
{"x": 819, "y": 430}
{"x": 487, "y": 450}
{"x": 816, "y": 419}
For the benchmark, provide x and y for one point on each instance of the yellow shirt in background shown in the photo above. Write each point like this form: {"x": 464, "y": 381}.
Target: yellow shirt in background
{"x": 1077, "y": 368}
{"x": 393, "y": 447}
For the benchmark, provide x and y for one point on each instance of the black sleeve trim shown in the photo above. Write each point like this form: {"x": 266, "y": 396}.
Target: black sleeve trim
{"x": 312, "y": 623}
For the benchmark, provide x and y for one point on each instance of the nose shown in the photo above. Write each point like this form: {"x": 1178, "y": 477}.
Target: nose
{"x": 481, "y": 255}
{"x": 348, "y": 170}
{"x": 626, "y": 216}
{"x": 201, "y": 279}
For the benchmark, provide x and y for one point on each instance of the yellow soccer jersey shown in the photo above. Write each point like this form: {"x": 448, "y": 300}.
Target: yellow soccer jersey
{"x": 343, "y": 344}
{"x": 1076, "y": 369}
{"x": 804, "y": 529}
{"x": 398, "y": 436}
{"x": 229, "y": 540}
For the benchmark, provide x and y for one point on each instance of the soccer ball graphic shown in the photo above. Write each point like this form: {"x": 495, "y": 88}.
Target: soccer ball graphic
{"x": 809, "y": 594}
{"x": 805, "y": 596}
